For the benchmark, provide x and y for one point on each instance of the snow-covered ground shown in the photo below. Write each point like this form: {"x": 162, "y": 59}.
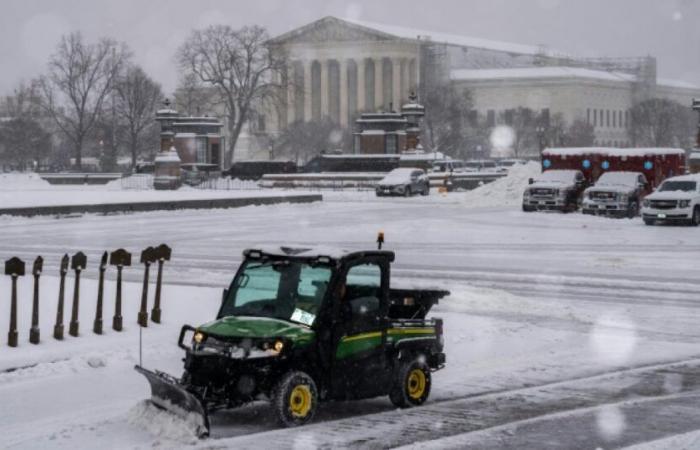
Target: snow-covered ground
{"x": 555, "y": 322}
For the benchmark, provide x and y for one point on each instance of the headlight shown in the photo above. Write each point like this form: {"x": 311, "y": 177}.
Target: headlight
{"x": 278, "y": 346}
{"x": 683, "y": 203}
{"x": 274, "y": 347}
{"x": 198, "y": 337}
{"x": 646, "y": 203}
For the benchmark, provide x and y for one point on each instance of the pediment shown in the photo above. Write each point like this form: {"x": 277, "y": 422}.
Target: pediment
{"x": 331, "y": 29}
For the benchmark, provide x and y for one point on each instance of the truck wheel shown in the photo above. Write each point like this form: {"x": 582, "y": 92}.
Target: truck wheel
{"x": 411, "y": 385}
{"x": 633, "y": 210}
{"x": 407, "y": 192}
{"x": 696, "y": 216}
{"x": 649, "y": 222}
{"x": 426, "y": 191}
{"x": 295, "y": 399}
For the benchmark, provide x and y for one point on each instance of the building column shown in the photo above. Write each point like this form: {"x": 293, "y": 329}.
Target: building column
{"x": 291, "y": 90}
{"x": 343, "y": 91}
{"x": 307, "y": 90}
{"x": 324, "y": 88}
{"x": 405, "y": 80}
{"x": 378, "y": 83}
{"x": 396, "y": 83}
{"x": 361, "y": 84}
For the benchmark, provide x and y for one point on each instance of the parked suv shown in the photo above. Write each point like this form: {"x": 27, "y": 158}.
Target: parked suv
{"x": 558, "y": 190}
{"x": 617, "y": 194}
{"x": 404, "y": 181}
{"x": 677, "y": 200}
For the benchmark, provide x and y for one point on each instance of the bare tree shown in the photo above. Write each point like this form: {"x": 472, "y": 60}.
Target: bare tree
{"x": 79, "y": 77}
{"x": 136, "y": 98}
{"x": 238, "y": 63}
{"x": 192, "y": 97}
{"x": 446, "y": 123}
{"x": 659, "y": 122}
{"x": 580, "y": 134}
{"x": 301, "y": 141}
{"x": 23, "y": 137}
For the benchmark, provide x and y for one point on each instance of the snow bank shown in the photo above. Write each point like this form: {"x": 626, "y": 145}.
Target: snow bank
{"x": 506, "y": 191}
{"x": 15, "y": 181}
{"x": 162, "y": 424}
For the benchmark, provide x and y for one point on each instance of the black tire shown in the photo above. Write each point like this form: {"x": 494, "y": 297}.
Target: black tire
{"x": 695, "y": 221}
{"x": 649, "y": 222}
{"x": 426, "y": 191}
{"x": 295, "y": 399}
{"x": 527, "y": 208}
{"x": 633, "y": 210}
{"x": 411, "y": 385}
{"x": 407, "y": 192}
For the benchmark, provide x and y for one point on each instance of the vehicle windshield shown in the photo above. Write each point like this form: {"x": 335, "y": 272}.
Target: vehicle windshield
{"x": 397, "y": 176}
{"x": 558, "y": 176}
{"x": 618, "y": 179}
{"x": 287, "y": 290}
{"x": 685, "y": 186}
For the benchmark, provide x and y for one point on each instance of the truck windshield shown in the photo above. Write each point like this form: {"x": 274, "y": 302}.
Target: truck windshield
{"x": 686, "y": 186}
{"x": 286, "y": 290}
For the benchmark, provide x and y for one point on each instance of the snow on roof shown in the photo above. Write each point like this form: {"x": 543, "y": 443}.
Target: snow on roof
{"x": 571, "y": 151}
{"x": 364, "y": 156}
{"x": 667, "y": 82}
{"x": 304, "y": 251}
{"x": 422, "y": 156}
{"x": 694, "y": 156}
{"x": 690, "y": 177}
{"x": 538, "y": 72}
{"x": 456, "y": 39}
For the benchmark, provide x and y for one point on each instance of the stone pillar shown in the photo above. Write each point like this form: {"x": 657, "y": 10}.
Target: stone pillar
{"x": 396, "y": 83}
{"x": 343, "y": 91}
{"x": 378, "y": 83}
{"x": 361, "y": 84}
{"x": 291, "y": 91}
{"x": 307, "y": 90}
{"x": 324, "y": 88}
{"x": 405, "y": 77}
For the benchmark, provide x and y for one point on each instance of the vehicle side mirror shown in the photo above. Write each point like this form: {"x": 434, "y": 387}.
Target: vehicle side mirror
{"x": 530, "y": 181}
{"x": 224, "y": 296}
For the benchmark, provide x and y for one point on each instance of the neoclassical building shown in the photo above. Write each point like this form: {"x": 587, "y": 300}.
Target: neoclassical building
{"x": 341, "y": 67}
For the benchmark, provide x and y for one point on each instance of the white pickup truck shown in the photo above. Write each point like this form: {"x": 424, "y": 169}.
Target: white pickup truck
{"x": 677, "y": 200}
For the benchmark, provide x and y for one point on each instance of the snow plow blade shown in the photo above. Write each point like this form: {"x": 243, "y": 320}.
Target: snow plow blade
{"x": 167, "y": 393}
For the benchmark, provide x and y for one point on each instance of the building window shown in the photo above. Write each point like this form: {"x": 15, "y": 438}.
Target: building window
{"x": 588, "y": 116}
{"x": 595, "y": 117}
{"x": 473, "y": 118}
{"x": 614, "y": 119}
{"x": 201, "y": 149}
{"x": 490, "y": 118}
{"x": 619, "y": 118}
{"x": 508, "y": 117}
{"x": 390, "y": 144}
{"x": 607, "y": 118}
{"x": 627, "y": 118}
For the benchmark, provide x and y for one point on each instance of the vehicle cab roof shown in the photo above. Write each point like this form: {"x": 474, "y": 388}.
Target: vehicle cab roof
{"x": 312, "y": 253}
{"x": 690, "y": 177}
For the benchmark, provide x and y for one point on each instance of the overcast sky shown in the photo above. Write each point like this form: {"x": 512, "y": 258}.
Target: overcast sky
{"x": 667, "y": 29}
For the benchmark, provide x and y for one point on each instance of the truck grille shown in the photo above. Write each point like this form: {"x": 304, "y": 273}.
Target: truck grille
{"x": 542, "y": 192}
{"x": 605, "y": 196}
{"x": 663, "y": 204}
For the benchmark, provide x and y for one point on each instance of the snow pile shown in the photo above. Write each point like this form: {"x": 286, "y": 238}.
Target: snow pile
{"x": 506, "y": 191}
{"x": 15, "y": 181}
{"x": 162, "y": 423}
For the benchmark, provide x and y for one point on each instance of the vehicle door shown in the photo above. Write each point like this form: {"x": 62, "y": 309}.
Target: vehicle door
{"x": 360, "y": 330}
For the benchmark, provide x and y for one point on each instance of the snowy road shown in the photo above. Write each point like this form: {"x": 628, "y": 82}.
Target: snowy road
{"x": 536, "y": 299}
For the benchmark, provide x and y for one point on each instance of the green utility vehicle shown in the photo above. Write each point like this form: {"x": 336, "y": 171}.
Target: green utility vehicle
{"x": 302, "y": 325}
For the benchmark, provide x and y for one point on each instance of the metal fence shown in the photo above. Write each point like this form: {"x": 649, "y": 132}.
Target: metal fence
{"x": 145, "y": 182}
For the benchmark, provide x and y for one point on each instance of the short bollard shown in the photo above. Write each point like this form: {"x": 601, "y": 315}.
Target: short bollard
{"x": 34, "y": 335}
{"x": 162, "y": 254}
{"x": 119, "y": 258}
{"x": 147, "y": 257}
{"x": 97, "y": 326}
{"x": 77, "y": 263}
{"x": 15, "y": 268}
{"x": 58, "y": 328}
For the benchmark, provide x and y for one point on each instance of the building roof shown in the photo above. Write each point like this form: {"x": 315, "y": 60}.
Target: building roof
{"x": 538, "y": 73}
{"x": 676, "y": 83}
{"x": 385, "y": 31}
{"x": 604, "y": 151}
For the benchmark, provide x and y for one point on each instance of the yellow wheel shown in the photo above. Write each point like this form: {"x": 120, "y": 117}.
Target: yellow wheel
{"x": 294, "y": 399}
{"x": 300, "y": 401}
{"x": 415, "y": 384}
{"x": 411, "y": 386}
